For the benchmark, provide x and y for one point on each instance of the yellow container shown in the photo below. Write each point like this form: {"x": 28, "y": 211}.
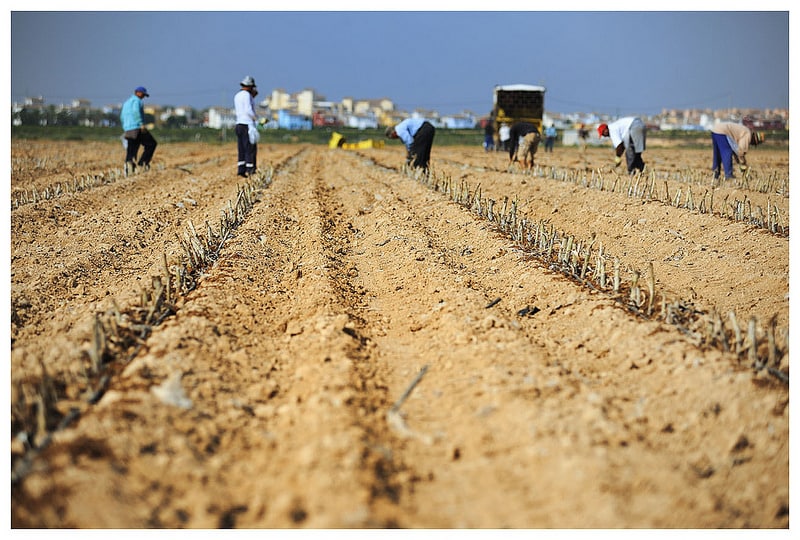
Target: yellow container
{"x": 337, "y": 140}
{"x": 369, "y": 143}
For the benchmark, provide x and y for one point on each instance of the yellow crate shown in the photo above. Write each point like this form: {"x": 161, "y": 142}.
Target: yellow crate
{"x": 338, "y": 140}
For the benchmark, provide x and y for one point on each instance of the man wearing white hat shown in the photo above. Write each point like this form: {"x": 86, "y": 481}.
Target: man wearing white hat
{"x": 246, "y": 131}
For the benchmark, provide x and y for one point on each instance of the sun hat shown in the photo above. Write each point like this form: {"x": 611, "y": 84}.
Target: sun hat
{"x": 248, "y": 81}
{"x": 143, "y": 90}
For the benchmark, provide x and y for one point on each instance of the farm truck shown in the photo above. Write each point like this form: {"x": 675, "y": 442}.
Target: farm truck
{"x": 517, "y": 103}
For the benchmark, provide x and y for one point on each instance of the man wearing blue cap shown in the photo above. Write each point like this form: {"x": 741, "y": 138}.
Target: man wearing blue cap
{"x": 136, "y": 134}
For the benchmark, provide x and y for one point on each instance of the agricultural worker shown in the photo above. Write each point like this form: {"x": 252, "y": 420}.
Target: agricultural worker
{"x": 488, "y": 136}
{"x": 417, "y": 134}
{"x": 246, "y": 131}
{"x": 524, "y": 140}
{"x": 732, "y": 141}
{"x": 583, "y": 134}
{"x": 550, "y": 134}
{"x": 136, "y": 133}
{"x": 503, "y": 134}
{"x": 628, "y": 135}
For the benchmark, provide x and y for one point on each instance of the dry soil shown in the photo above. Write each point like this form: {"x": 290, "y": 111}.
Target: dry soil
{"x": 366, "y": 353}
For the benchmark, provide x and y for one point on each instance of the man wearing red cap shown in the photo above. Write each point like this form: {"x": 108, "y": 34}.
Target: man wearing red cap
{"x": 628, "y": 135}
{"x": 136, "y": 134}
{"x": 731, "y": 141}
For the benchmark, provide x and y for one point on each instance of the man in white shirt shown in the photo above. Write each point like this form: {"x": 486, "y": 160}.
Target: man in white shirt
{"x": 628, "y": 135}
{"x": 505, "y": 135}
{"x": 246, "y": 131}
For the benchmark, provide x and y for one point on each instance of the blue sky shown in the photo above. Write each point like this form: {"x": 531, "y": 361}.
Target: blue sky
{"x": 615, "y": 62}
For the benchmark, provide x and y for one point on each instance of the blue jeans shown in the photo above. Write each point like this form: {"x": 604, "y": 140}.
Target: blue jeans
{"x": 723, "y": 155}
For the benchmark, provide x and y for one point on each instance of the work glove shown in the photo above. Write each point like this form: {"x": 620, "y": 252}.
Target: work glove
{"x": 617, "y": 161}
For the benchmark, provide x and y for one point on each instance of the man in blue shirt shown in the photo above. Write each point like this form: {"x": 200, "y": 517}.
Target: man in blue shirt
{"x": 550, "y": 134}
{"x": 136, "y": 134}
{"x": 417, "y": 134}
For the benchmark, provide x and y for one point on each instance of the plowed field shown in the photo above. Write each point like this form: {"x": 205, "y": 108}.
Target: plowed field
{"x": 363, "y": 348}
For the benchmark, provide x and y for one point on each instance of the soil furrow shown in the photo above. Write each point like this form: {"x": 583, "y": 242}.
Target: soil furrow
{"x": 234, "y": 364}
{"x": 366, "y": 353}
{"x": 769, "y": 171}
{"x": 681, "y": 245}
{"x": 370, "y": 399}
{"x": 84, "y": 242}
{"x": 536, "y": 367}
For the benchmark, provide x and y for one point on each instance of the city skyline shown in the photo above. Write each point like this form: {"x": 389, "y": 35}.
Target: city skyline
{"x": 661, "y": 60}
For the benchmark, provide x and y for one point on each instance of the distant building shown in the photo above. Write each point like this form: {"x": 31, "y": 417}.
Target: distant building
{"x": 323, "y": 119}
{"x": 362, "y": 121}
{"x": 569, "y": 137}
{"x": 219, "y": 117}
{"x": 290, "y": 120}
{"x": 183, "y": 112}
{"x": 279, "y": 100}
{"x": 305, "y": 102}
{"x": 307, "y": 107}
{"x": 363, "y": 106}
{"x": 763, "y": 124}
{"x": 465, "y": 120}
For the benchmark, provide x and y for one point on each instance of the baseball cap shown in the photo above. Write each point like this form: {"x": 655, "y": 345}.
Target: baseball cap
{"x": 143, "y": 90}
{"x": 601, "y": 128}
